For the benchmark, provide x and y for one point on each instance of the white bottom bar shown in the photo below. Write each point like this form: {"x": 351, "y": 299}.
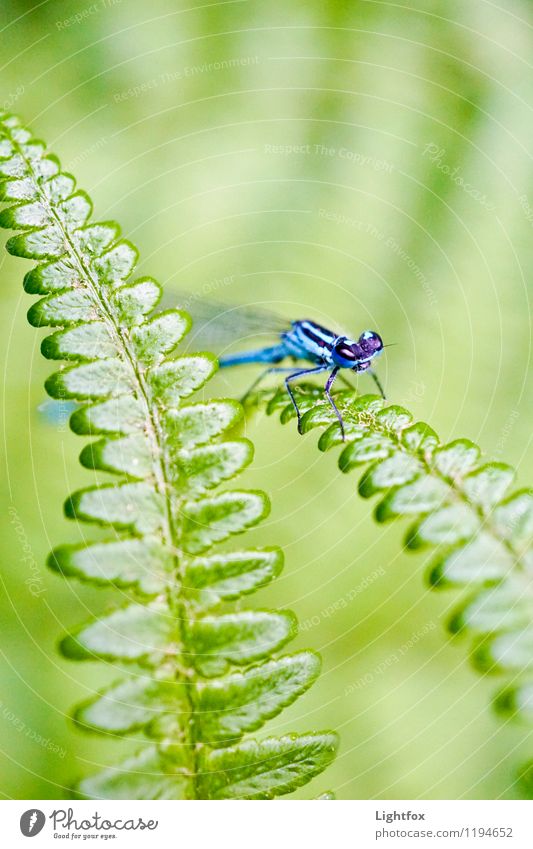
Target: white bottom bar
{"x": 274, "y": 825}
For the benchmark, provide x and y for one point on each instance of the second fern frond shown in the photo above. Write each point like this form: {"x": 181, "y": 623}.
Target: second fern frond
{"x": 459, "y": 504}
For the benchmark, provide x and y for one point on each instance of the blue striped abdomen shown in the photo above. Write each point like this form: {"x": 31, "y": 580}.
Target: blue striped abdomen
{"x": 271, "y": 354}
{"x": 307, "y": 340}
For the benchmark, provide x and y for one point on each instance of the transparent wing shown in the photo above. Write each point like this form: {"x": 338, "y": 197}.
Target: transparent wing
{"x": 217, "y": 325}
{"x": 56, "y": 413}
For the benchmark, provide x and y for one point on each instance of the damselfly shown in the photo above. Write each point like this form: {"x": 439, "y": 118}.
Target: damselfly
{"x": 323, "y": 349}
{"x": 303, "y": 340}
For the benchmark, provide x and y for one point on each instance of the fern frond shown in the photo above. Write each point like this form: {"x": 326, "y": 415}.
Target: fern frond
{"x": 457, "y": 503}
{"x": 196, "y": 680}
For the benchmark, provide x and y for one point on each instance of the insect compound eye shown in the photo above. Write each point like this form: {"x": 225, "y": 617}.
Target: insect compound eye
{"x": 370, "y": 342}
{"x": 346, "y": 351}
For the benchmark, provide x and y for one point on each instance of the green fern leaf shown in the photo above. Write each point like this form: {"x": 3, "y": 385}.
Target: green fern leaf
{"x": 225, "y": 577}
{"x": 243, "y": 701}
{"x": 461, "y": 505}
{"x": 141, "y": 564}
{"x": 195, "y": 679}
{"x": 262, "y": 770}
{"x": 155, "y": 772}
{"x": 133, "y": 704}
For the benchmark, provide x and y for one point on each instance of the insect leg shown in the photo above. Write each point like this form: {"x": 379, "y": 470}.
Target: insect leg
{"x": 327, "y": 388}
{"x": 265, "y": 373}
{"x": 377, "y": 381}
{"x": 293, "y": 376}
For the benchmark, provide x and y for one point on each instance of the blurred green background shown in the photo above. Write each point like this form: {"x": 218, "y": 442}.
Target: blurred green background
{"x": 364, "y": 163}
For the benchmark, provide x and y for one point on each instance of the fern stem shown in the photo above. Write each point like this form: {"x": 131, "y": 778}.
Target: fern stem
{"x": 154, "y": 432}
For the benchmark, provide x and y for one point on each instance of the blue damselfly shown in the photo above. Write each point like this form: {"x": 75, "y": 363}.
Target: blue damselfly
{"x": 302, "y": 341}
{"x": 322, "y": 349}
